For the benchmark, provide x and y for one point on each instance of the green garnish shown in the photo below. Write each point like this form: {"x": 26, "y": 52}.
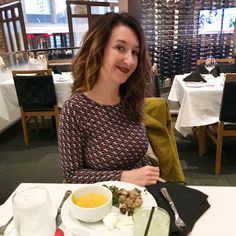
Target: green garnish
{"x": 116, "y": 192}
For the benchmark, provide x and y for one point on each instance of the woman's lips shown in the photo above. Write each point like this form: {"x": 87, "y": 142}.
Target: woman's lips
{"x": 123, "y": 69}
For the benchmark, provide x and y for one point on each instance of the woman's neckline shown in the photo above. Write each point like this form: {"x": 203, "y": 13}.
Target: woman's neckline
{"x": 98, "y": 103}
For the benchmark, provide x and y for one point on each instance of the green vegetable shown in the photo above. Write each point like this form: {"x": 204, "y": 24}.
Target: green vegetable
{"x": 116, "y": 192}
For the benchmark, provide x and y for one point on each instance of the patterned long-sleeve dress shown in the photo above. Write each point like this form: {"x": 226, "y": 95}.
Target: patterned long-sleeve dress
{"x": 97, "y": 142}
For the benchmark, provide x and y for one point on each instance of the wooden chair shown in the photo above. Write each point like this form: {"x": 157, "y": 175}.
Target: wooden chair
{"x": 226, "y": 127}
{"x": 228, "y": 60}
{"x": 36, "y": 96}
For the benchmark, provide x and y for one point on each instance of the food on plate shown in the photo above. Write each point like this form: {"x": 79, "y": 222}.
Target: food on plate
{"x": 110, "y": 220}
{"x": 126, "y": 200}
{"x": 90, "y": 200}
{"x": 116, "y": 220}
{"x": 125, "y": 223}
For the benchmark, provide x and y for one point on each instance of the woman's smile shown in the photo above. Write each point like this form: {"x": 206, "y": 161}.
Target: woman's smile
{"x": 123, "y": 69}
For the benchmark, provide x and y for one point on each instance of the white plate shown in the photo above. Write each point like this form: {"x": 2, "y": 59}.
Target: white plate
{"x": 61, "y": 79}
{"x": 91, "y": 229}
{"x": 195, "y": 85}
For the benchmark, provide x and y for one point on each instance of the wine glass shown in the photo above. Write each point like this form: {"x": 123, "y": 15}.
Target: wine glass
{"x": 210, "y": 64}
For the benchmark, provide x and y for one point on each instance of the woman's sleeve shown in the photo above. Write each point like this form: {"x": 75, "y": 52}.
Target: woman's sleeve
{"x": 71, "y": 142}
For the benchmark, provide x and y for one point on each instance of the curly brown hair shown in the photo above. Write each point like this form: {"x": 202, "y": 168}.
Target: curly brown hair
{"x": 87, "y": 63}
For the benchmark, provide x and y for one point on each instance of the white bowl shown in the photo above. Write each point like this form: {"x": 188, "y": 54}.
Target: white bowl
{"x": 91, "y": 214}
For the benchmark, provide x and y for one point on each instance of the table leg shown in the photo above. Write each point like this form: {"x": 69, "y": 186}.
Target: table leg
{"x": 202, "y": 140}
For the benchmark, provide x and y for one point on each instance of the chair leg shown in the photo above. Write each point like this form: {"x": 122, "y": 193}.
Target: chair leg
{"x": 24, "y": 127}
{"x": 202, "y": 140}
{"x": 56, "y": 116}
{"x": 219, "y": 147}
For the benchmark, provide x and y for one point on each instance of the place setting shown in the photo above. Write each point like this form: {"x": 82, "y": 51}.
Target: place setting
{"x": 159, "y": 209}
{"x": 105, "y": 208}
{"x": 204, "y": 75}
{"x": 195, "y": 80}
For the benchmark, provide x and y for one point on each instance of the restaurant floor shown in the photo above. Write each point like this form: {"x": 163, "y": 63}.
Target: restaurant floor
{"x": 39, "y": 162}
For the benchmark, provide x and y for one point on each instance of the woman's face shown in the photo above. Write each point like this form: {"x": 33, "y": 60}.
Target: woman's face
{"x": 120, "y": 56}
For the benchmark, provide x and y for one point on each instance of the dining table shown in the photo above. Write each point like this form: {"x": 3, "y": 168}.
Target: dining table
{"x": 218, "y": 220}
{"x": 199, "y": 105}
{"x": 8, "y": 96}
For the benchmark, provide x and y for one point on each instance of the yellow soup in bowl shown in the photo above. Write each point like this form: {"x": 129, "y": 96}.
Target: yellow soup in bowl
{"x": 90, "y": 200}
{"x": 90, "y": 203}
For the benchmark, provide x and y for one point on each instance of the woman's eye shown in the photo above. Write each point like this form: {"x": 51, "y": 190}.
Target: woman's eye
{"x": 120, "y": 48}
{"x": 136, "y": 53}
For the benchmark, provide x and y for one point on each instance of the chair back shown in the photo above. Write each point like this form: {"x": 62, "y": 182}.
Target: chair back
{"x": 227, "y": 68}
{"x": 228, "y": 103}
{"x": 228, "y": 60}
{"x": 31, "y": 72}
{"x": 35, "y": 92}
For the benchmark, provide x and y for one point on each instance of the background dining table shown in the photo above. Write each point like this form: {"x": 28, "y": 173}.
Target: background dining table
{"x": 199, "y": 104}
{"x": 218, "y": 220}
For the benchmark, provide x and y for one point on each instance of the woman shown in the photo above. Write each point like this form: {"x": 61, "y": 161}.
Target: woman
{"x": 100, "y": 136}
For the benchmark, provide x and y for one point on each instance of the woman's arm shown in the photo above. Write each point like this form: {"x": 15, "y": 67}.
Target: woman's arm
{"x": 144, "y": 176}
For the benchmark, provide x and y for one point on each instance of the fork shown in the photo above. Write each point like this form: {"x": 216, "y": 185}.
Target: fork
{"x": 3, "y": 227}
{"x": 180, "y": 224}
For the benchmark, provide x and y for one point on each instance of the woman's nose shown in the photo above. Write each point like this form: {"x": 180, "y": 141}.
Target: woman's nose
{"x": 129, "y": 59}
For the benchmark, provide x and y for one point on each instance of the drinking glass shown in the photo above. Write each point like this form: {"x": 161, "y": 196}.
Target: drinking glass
{"x": 210, "y": 64}
{"x": 160, "y": 222}
{"x": 33, "y": 212}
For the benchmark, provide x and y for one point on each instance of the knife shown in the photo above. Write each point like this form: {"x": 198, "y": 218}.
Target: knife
{"x": 59, "y": 232}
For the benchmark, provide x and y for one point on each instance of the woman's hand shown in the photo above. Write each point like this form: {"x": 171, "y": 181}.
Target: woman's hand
{"x": 144, "y": 176}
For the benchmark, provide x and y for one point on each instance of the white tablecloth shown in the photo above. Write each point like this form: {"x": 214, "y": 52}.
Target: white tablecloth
{"x": 199, "y": 106}
{"x": 218, "y": 220}
{"x": 9, "y": 101}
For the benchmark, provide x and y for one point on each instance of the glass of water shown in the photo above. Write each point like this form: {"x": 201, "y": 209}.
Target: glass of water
{"x": 159, "y": 224}
{"x": 33, "y": 212}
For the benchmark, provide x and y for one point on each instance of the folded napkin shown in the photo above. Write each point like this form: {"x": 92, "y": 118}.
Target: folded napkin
{"x": 190, "y": 203}
{"x": 194, "y": 77}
